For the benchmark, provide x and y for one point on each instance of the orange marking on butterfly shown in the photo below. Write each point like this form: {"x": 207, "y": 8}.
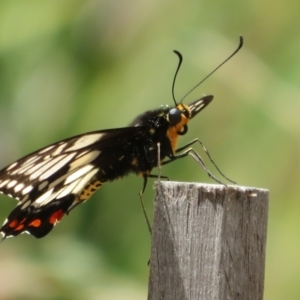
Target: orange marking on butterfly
{"x": 13, "y": 224}
{"x": 20, "y": 227}
{"x": 35, "y": 223}
{"x": 89, "y": 190}
{"x": 57, "y": 216}
{"x": 173, "y": 130}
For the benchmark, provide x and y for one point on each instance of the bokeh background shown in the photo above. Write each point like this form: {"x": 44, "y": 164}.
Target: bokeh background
{"x": 68, "y": 67}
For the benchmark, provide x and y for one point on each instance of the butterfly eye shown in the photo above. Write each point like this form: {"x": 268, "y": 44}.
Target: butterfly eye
{"x": 174, "y": 116}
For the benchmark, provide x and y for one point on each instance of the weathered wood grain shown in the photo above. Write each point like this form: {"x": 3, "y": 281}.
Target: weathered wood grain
{"x": 208, "y": 242}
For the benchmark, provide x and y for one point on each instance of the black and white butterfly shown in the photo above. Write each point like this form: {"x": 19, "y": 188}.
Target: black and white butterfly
{"x": 50, "y": 182}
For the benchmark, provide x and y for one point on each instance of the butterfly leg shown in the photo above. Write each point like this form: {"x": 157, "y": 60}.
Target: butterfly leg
{"x": 141, "y": 196}
{"x": 142, "y": 203}
{"x": 207, "y": 153}
{"x": 158, "y": 176}
{"x": 197, "y": 158}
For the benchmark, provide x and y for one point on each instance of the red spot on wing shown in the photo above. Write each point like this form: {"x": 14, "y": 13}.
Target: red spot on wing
{"x": 13, "y": 224}
{"x": 20, "y": 227}
{"x": 35, "y": 223}
{"x": 56, "y": 217}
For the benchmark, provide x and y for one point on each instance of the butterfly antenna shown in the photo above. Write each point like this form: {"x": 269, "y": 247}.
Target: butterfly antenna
{"x": 213, "y": 71}
{"x": 178, "y": 67}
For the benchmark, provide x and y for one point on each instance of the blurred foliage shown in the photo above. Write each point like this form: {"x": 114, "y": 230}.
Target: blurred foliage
{"x": 68, "y": 67}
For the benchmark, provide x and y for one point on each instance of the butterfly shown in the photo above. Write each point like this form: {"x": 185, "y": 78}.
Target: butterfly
{"x": 50, "y": 182}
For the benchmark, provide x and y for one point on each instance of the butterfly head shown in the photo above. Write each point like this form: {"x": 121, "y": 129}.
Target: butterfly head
{"x": 179, "y": 116}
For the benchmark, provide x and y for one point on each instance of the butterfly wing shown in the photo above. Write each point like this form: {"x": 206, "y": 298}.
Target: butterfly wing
{"x": 51, "y": 181}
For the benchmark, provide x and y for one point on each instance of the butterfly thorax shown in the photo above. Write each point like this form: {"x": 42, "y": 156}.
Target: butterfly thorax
{"x": 162, "y": 129}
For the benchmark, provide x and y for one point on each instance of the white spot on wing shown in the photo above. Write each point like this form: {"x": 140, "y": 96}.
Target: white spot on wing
{"x": 46, "y": 149}
{"x": 27, "y": 189}
{"x": 4, "y": 183}
{"x": 85, "y": 159}
{"x": 11, "y": 184}
{"x": 11, "y": 166}
{"x": 85, "y": 141}
{"x": 78, "y": 173}
{"x": 19, "y": 187}
{"x": 43, "y": 185}
{"x": 25, "y": 205}
{"x": 24, "y": 199}
{"x": 43, "y": 197}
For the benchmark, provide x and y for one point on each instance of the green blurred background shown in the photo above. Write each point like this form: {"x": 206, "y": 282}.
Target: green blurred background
{"x": 68, "y": 67}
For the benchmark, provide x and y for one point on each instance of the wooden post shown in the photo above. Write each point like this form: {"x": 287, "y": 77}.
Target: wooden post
{"x": 208, "y": 242}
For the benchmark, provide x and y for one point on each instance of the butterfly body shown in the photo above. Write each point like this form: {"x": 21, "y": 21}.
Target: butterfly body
{"x": 51, "y": 181}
